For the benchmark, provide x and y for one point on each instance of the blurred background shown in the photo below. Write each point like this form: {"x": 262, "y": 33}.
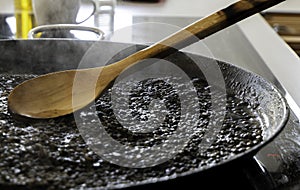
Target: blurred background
{"x": 16, "y": 16}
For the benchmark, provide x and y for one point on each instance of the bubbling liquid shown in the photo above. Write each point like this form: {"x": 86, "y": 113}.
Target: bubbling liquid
{"x": 52, "y": 153}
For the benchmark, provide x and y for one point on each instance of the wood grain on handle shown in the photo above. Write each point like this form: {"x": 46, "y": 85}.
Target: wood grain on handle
{"x": 220, "y": 20}
{"x": 212, "y": 24}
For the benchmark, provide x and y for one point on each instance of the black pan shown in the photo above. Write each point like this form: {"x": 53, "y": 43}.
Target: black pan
{"x": 49, "y": 154}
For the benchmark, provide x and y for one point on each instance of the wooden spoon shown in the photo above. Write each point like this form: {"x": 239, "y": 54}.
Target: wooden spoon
{"x": 51, "y": 95}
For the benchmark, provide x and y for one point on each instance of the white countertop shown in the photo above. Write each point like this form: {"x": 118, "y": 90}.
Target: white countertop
{"x": 289, "y": 6}
{"x": 195, "y": 7}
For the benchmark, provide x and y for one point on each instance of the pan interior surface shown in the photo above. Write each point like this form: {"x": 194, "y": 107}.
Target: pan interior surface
{"x": 54, "y": 153}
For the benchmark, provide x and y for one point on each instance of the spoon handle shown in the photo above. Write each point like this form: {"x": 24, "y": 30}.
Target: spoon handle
{"x": 200, "y": 29}
{"x": 212, "y": 24}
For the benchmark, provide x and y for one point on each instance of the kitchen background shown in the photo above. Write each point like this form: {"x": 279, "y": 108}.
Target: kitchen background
{"x": 115, "y": 14}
